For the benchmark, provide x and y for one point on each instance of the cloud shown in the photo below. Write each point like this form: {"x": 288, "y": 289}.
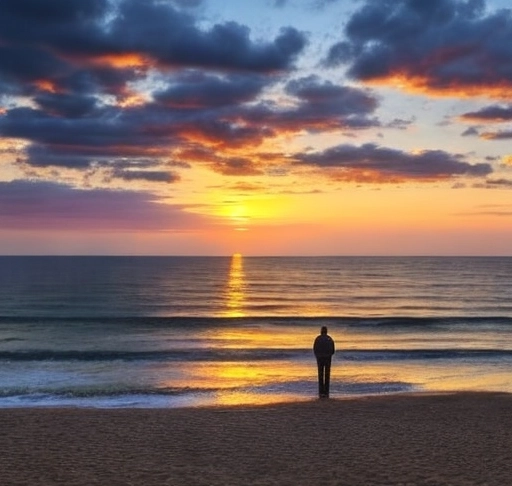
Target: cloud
{"x": 78, "y": 142}
{"x": 470, "y": 132}
{"x": 400, "y": 124}
{"x": 493, "y": 113}
{"x": 145, "y": 175}
{"x": 444, "y": 47}
{"x": 62, "y": 54}
{"x": 505, "y": 183}
{"x": 331, "y": 98}
{"x": 199, "y": 90}
{"x": 373, "y": 163}
{"x": 172, "y": 38}
{"x": 499, "y": 135}
{"x": 318, "y": 105}
{"x": 103, "y": 80}
{"x": 245, "y": 187}
{"x": 48, "y": 205}
{"x": 116, "y": 82}
{"x": 68, "y": 105}
{"x": 236, "y": 166}
{"x": 199, "y": 108}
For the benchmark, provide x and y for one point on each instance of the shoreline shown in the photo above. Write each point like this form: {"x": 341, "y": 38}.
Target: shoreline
{"x": 456, "y": 438}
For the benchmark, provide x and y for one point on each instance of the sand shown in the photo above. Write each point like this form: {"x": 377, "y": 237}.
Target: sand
{"x": 448, "y": 439}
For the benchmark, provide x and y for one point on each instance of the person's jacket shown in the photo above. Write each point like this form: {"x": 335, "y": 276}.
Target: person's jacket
{"x": 324, "y": 346}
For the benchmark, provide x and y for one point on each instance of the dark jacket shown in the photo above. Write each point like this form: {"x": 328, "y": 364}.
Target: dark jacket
{"x": 324, "y": 346}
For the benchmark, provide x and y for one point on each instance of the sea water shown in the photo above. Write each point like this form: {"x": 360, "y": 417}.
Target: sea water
{"x": 193, "y": 331}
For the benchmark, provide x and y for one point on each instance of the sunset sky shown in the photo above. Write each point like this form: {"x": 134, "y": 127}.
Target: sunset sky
{"x": 265, "y": 127}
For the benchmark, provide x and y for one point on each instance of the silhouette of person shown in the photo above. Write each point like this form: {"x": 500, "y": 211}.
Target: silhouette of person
{"x": 323, "y": 349}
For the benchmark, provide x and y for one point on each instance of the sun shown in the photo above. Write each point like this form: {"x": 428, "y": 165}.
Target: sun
{"x": 238, "y": 217}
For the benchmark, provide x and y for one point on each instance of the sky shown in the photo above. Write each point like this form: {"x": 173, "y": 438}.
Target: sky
{"x": 264, "y": 127}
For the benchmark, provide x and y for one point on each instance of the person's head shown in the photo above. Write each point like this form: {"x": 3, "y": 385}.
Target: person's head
{"x": 323, "y": 330}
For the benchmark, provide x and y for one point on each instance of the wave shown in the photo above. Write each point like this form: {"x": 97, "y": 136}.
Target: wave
{"x": 127, "y": 394}
{"x": 246, "y": 355}
{"x": 88, "y": 392}
{"x": 289, "y": 320}
{"x": 188, "y": 355}
{"x": 424, "y": 354}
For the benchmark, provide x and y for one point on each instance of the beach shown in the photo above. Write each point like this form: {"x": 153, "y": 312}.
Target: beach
{"x": 430, "y": 439}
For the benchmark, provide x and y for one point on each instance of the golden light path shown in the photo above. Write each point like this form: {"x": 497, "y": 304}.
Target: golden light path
{"x": 235, "y": 288}
{"x": 248, "y": 375}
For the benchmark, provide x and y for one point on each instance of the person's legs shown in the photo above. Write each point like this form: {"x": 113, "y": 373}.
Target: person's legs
{"x": 327, "y": 377}
{"x": 321, "y": 372}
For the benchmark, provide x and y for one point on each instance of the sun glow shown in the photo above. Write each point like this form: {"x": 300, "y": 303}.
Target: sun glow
{"x": 250, "y": 212}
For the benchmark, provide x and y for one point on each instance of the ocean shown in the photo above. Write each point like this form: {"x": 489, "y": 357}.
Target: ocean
{"x": 196, "y": 331}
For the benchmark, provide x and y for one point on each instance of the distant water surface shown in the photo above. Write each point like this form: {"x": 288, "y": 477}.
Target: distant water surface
{"x": 191, "y": 331}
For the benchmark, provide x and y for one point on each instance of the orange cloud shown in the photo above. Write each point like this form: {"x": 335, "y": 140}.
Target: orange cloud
{"x": 120, "y": 61}
{"x": 423, "y": 84}
{"x": 46, "y": 85}
{"x": 499, "y": 135}
{"x": 131, "y": 99}
{"x": 369, "y": 176}
{"x": 448, "y": 48}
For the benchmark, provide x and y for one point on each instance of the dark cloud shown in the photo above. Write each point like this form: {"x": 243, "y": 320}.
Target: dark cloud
{"x": 400, "y": 124}
{"x": 66, "y": 105}
{"x": 325, "y": 96}
{"x": 196, "y": 90}
{"x": 77, "y": 142}
{"x": 39, "y": 155}
{"x": 223, "y": 133}
{"x": 493, "y": 113}
{"x": 195, "y": 108}
{"x": 319, "y": 105}
{"x": 210, "y": 100}
{"x": 52, "y": 11}
{"x": 391, "y": 164}
{"x": 75, "y": 63}
{"x": 505, "y": 183}
{"x": 134, "y": 169}
{"x": 498, "y": 135}
{"x": 46, "y": 205}
{"x": 236, "y": 166}
{"x": 40, "y": 39}
{"x": 443, "y": 46}
{"x": 145, "y": 175}
{"x": 172, "y": 38}
{"x": 29, "y": 64}
{"x": 56, "y": 139}
{"x": 112, "y": 133}
{"x": 102, "y": 45}
{"x": 470, "y": 132}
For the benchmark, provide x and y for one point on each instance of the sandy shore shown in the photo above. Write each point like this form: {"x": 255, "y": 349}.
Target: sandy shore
{"x": 459, "y": 439}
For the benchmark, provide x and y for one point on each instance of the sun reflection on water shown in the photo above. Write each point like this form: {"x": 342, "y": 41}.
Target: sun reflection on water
{"x": 235, "y": 288}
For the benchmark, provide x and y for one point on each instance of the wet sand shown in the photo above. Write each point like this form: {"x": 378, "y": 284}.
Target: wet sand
{"x": 449, "y": 439}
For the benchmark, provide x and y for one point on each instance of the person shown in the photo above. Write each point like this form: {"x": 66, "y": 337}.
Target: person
{"x": 323, "y": 348}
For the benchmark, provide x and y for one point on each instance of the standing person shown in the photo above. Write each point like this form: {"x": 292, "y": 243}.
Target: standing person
{"x": 323, "y": 349}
